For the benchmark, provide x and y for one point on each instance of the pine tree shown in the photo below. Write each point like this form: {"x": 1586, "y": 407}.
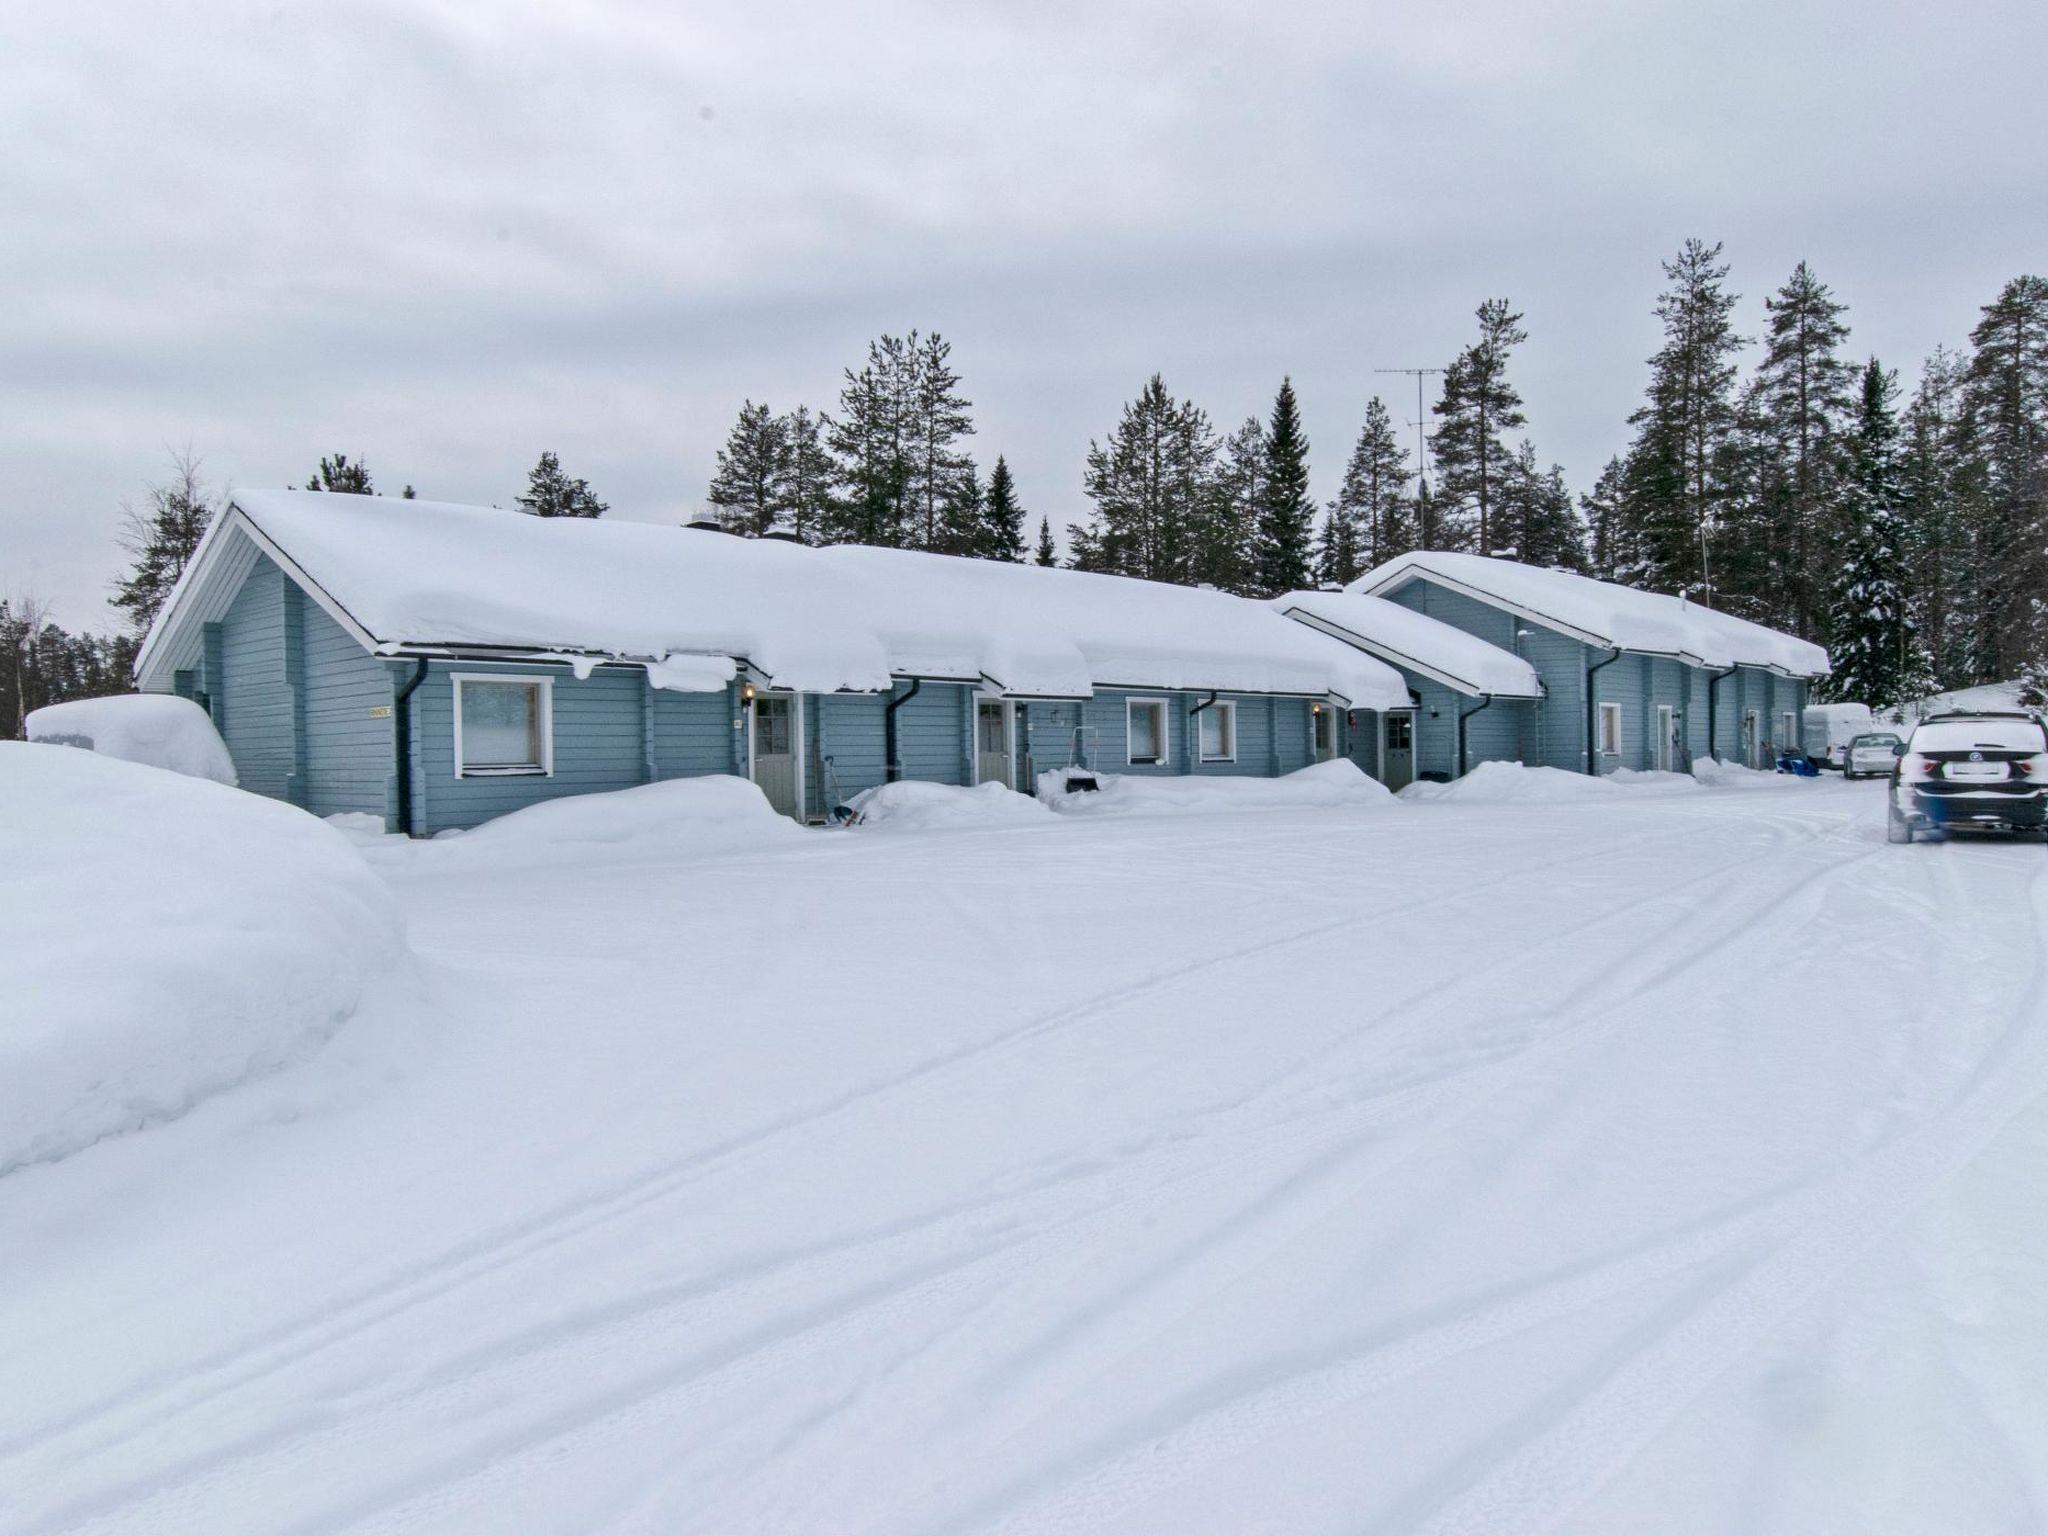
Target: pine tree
{"x": 2005, "y": 403}
{"x": 160, "y": 537}
{"x": 1538, "y": 524}
{"x": 1600, "y": 510}
{"x": 1374, "y": 497}
{"x": 1287, "y": 515}
{"x": 1933, "y": 479}
{"x": 805, "y": 475}
{"x": 1478, "y": 406}
{"x": 1226, "y": 530}
{"x": 1877, "y": 654}
{"x": 550, "y": 493}
{"x": 1002, "y": 516}
{"x": 1804, "y": 394}
{"x": 868, "y": 438}
{"x": 745, "y": 490}
{"x": 1148, "y": 484}
{"x": 1677, "y": 467}
{"x": 934, "y": 424}
{"x": 1046, "y": 553}
{"x": 338, "y": 474}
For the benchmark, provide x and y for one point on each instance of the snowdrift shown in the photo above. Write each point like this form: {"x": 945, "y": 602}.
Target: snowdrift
{"x": 1335, "y": 783}
{"x": 1719, "y": 775}
{"x": 164, "y": 939}
{"x": 1498, "y": 783}
{"x": 154, "y": 728}
{"x": 913, "y": 807}
{"x": 716, "y": 813}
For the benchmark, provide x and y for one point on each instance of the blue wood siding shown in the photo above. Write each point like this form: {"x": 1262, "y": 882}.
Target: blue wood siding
{"x": 692, "y": 732}
{"x": 256, "y": 695}
{"x": 347, "y": 747}
{"x": 932, "y": 733}
{"x": 598, "y": 744}
{"x": 851, "y": 729}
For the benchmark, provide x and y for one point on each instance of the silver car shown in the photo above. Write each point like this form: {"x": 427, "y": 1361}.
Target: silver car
{"x": 1872, "y": 756}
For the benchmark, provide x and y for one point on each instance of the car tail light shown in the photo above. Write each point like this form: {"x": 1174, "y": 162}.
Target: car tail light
{"x": 2033, "y": 768}
{"x": 1914, "y": 766}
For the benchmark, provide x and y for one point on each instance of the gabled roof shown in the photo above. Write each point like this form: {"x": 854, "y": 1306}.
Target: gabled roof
{"x": 1603, "y": 613}
{"x": 1415, "y": 641}
{"x": 411, "y": 577}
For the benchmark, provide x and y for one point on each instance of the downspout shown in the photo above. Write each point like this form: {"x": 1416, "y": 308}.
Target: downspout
{"x": 1485, "y": 702}
{"x": 1714, "y": 681}
{"x": 892, "y": 770}
{"x": 1593, "y": 757}
{"x": 401, "y": 735}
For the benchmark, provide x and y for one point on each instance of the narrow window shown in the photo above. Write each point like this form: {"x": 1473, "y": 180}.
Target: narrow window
{"x": 1610, "y": 730}
{"x": 1325, "y": 725}
{"x": 1146, "y": 722}
{"x": 1788, "y": 728}
{"x": 1219, "y": 733}
{"x": 503, "y": 726}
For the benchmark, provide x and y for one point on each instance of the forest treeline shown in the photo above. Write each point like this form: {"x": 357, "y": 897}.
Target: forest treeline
{"x": 1780, "y": 477}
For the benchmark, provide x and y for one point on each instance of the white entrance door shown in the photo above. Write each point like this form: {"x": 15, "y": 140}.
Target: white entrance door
{"x": 1325, "y": 721}
{"x": 992, "y": 733}
{"x": 1397, "y": 748}
{"x": 1667, "y": 738}
{"x": 1749, "y": 740}
{"x": 775, "y": 749}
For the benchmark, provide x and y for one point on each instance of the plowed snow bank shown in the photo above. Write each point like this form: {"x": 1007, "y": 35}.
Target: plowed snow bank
{"x": 1338, "y": 782}
{"x": 164, "y": 939}
{"x": 914, "y": 807}
{"x": 152, "y": 728}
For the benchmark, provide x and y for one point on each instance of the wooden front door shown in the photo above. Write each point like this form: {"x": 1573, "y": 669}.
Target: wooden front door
{"x": 1397, "y": 748}
{"x": 992, "y": 742}
{"x": 775, "y": 750}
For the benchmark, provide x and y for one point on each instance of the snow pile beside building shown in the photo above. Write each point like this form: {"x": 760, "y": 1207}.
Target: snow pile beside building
{"x": 907, "y": 806}
{"x": 1716, "y": 774}
{"x": 164, "y": 939}
{"x": 1500, "y": 783}
{"x": 696, "y": 817}
{"x": 1335, "y": 783}
{"x": 158, "y": 729}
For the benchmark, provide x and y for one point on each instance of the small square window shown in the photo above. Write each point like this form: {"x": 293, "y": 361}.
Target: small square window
{"x": 1219, "y": 733}
{"x": 503, "y": 726}
{"x": 1146, "y": 723}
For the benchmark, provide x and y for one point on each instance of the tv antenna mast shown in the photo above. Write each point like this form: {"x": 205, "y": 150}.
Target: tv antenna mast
{"x": 1421, "y": 418}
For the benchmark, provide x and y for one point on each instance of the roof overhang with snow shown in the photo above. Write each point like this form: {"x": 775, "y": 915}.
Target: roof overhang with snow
{"x": 1603, "y": 613}
{"x": 1415, "y": 642}
{"x": 412, "y": 578}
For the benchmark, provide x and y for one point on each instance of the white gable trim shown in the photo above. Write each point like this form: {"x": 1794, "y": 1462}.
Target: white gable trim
{"x": 1399, "y": 658}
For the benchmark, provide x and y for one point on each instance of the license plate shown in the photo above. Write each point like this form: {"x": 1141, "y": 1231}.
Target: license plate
{"x": 1976, "y": 772}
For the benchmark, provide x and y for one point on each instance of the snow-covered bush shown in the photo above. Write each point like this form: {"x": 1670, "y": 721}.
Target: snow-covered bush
{"x": 163, "y": 939}
{"x": 1338, "y": 782}
{"x": 909, "y": 806}
{"x": 152, "y": 728}
{"x": 713, "y": 814}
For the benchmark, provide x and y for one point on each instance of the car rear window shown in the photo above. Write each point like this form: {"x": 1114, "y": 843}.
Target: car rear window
{"x": 1989, "y": 735}
{"x": 1875, "y": 741}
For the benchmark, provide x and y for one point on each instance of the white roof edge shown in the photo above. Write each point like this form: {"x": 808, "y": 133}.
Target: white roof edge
{"x": 1396, "y": 573}
{"x": 1396, "y": 657}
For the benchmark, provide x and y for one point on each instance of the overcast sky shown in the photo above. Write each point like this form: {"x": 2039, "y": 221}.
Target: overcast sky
{"x": 448, "y": 236}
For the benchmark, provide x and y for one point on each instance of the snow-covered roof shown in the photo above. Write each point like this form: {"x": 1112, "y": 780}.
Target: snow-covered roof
{"x": 412, "y": 576}
{"x": 1603, "y": 613}
{"x": 1416, "y": 641}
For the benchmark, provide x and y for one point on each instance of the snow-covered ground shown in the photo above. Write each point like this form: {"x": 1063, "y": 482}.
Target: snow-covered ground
{"x": 1654, "y": 1162}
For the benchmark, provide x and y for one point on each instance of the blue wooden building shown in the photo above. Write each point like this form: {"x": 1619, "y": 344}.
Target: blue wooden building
{"x": 438, "y": 665}
{"x": 1629, "y": 679}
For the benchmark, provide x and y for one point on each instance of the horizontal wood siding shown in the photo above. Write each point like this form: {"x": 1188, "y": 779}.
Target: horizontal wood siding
{"x": 851, "y": 730}
{"x": 931, "y": 733}
{"x": 348, "y": 759}
{"x": 1625, "y": 682}
{"x": 256, "y": 700}
{"x": 598, "y": 744}
{"x": 693, "y": 732}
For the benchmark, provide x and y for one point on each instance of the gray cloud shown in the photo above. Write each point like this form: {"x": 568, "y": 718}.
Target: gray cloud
{"x": 448, "y": 236}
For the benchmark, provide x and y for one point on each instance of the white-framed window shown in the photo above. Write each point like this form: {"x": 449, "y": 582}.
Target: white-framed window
{"x": 1218, "y": 742}
{"x": 504, "y": 725}
{"x": 1145, "y": 730}
{"x": 1610, "y": 730}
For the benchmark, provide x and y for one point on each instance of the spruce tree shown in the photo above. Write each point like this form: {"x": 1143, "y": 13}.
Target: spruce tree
{"x": 1537, "y": 514}
{"x": 1676, "y": 473}
{"x": 2005, "y": 404}
{"x": 869, "y": 439}
{"x": 1286, "y": 533}
{"x": 963, "y": 519}
{"x": 1600, "y": 511}
{"x": 936, "y": 419}
{"x": 550, "y": 493}
{"x": 1336, "y": 556}
{"x": 1226, "y": 531}
{"x": 1002, "y": 516}
{"x": 1934, "y": 478}
{"x": 1046, "y": 554}
{"x": 805, "y": 475}
{"x": 160, "y": 537}
{"x": 1804, "y": 388}
{"x": 1374, "y": 497}
{"x": 1148, "y": 483}
{"x": 1876, "y": 651}
{"x": 750, "y": 471}
{"x": 1478, "y": 406}
{"x": 340, "y": 475}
